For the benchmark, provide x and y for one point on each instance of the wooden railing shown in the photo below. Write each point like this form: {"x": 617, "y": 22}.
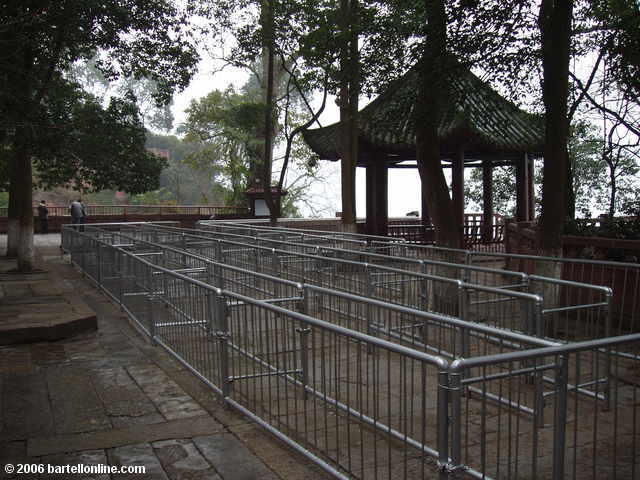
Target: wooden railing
{"x": 475, "y": 235}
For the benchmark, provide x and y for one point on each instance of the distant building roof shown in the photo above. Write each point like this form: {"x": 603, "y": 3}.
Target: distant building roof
{"x": 160, "y": 152}
{"x": 488, "y": 125}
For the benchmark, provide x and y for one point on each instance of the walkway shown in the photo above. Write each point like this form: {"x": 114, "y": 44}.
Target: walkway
{"x": 108, "y": 397}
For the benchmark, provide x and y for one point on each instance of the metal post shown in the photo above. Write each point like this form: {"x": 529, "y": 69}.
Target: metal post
{"x": 303, "y": 304}
{"x": 443, "y": 425}
{"x": 211, "y": 300}
{"x": 369, "y": 287}
{"x": 99, "y": 262}
{"x": 304, "y": 358}
{"x": 223, "y": 336}
{"x": 218, "y": 252}
{"x": 608, "y": 361}
{"x": 455, "y": 392}
{"x": 151, "y": 299}
{"x": 424, "y": 287}
{"x": 538, "y": 385}
{"x": 83, "y": 262}
{"x": 120, "y": 255}
{"x": 276, "y": 272}
{"x": 560, "y": 420}
{"x": 464, "y": 306}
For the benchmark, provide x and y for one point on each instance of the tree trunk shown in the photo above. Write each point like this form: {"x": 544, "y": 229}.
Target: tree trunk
{"x": 12, "y": 214}
{"x": 22, "y": 201}
{"x": 432, "y": 95}
{"x": 348, "y": 99}
{"x": 268, "y": 82}
{"x": 555, "y": 26}
{"x": 20, "y": 235}
{"x": 614, "y": 191}
{"x": 571, "y": 194}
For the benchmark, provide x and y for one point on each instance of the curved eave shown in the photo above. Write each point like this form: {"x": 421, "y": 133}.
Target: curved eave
{"x": 478, "y": 118}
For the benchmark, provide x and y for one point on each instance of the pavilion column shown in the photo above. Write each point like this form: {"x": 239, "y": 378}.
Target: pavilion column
{"x": 457, "y": 185}
{"x": 377, "y": 195}
{"x": 522, "y": 189}
{"x": 426, "y": 219}
{"x": 487, "y": 201}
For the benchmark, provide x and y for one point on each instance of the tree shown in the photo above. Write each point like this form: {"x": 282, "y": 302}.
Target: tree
{"x": 348, "y": 102}
{"x": 225, "y": 129}
{"x": 432, "y": 94}
{"x": 41, "y": 40}
{"x": 555, "y": 27}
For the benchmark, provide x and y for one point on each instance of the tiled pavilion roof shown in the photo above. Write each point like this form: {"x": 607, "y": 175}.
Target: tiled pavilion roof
{"x": 487, "y": 125}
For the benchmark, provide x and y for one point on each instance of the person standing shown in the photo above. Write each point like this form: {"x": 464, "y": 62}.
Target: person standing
{"x": 78, "y": 212}
{"x": 43, "y": 216}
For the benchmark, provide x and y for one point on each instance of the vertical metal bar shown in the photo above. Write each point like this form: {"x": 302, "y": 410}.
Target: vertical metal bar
{"x": 121, "y": 256}
{"x": 151, "y": 309}
{"x": 99, "y": 269}
{"x": 455, "y": 392}
{"x": 369, "y": 288}
{"x": 465, "y": 307}
{"x": 277, "y": 273}
{"x": 211, "y": 300}
{"x": 538, "y": 385}
{"x": 560, "y": 421}
{"x": 223, "y": 336}
{"x": 424, "y": 286}
{"x": 443, "y": 425}
{"x": 304, "y": 359}
{"x": 607, "y": 386}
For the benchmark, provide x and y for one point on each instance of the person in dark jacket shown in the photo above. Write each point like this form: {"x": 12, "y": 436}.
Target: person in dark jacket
{"x": 43, "y": 216}
{"x": 78, "y": 212}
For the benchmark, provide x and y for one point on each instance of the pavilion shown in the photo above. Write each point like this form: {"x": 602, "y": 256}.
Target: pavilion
{"x": 479, "y": 129}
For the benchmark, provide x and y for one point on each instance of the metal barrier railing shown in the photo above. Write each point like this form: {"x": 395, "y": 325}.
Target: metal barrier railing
{"x": 365, "y": 407}
{"x": 439, "y": 294}
{"x": 581, "y": 437}
{"x": 531, "y": 323}
{"x": 570, "y": 306}
{"x": 584, "y": 314}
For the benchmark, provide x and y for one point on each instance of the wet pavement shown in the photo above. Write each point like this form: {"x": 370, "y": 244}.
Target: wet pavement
{"x": 107, "y": 397}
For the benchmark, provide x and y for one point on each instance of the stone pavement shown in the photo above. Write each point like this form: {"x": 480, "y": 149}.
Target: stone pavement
{"x": 40, "y": 306}
{"x": 108, "y": 397}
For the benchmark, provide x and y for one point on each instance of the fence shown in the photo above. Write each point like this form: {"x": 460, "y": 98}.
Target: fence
{"x": 622, "y": 278}
{"x": 571, "y": 308}
{"x": 366, "y": 407}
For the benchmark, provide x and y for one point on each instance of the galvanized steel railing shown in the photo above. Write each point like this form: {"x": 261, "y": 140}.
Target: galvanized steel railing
{"x": 564, "y": 299}
{"x": 368, "y": 407}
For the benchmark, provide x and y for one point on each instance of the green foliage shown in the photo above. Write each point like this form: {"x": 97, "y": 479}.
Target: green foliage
{"x": 504, "y": 189}
{"x": 157, "y": 197}
{"x": 626, "y": 228}
{"x": 620, "y": 39}
{"x": 71, "y": 136}
{"x": 223, "y": 129}
{"x": 91, "y": 147}
{"x": 185, "y": 182}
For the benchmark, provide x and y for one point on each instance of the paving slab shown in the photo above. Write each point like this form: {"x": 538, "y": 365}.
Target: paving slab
{"x": 110, "y": 397}
{"x": 124, "y": 436}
